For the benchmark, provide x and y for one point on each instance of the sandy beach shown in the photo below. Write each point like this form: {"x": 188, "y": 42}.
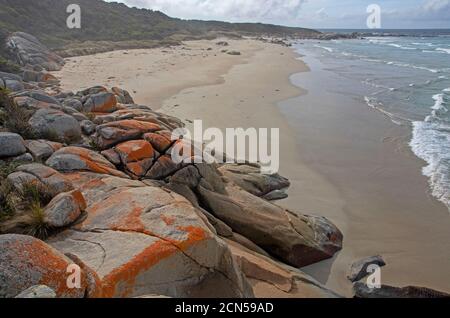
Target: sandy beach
{"x": 335, "y": 172}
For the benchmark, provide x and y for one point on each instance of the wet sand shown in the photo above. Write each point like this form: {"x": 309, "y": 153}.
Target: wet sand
{"x": 387, "y": 206}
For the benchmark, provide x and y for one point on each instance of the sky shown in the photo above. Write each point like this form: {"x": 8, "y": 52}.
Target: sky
{"x": 407, "y": 14}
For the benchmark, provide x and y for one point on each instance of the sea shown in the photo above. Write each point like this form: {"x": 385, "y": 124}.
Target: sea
{"x": 405, "y": 74}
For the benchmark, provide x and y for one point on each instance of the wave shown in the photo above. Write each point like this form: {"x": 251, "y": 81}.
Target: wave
{"x": 324, "y": 48}
{"x": 433, "y": 146}
{"x": 431, "y": 142}
{"x": 374, "y": 104}
{"x": 443, "y": 50}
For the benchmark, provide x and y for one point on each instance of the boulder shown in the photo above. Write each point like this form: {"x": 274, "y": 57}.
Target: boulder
{"x": 70, "y": 159}
{"x": 64, "y": 209}
{"x": 250, "y": 178}
{"x": 56, "y": 124}
{"x": 13, "y": 85}
{"x": 73, "y": 103}
{"x": 39, "y": 291}
{"x": 103, "y": 102}
{"x": 50, "y": 178}
{"x": 111, "y": 134}
{"x": 363, "y": 291}
{"x": 144, "y": 240}
{"x": 297, "y": 240}
{"x": 26, "y": 262}
{"x": 271, "y": 279}
{"x": 162, "y": 168}
{"x": 42, "y": 149}
{"x": 88, "y": 127}
{"x": 161, "y": 140}
{"x": 137, "y": 156}
{"x": 27, "y": 50}
{"x": 358, "y": 269}
{"x": 122, "y": 95}
{"x": 39, "y": 96}
{"x": 11, "y": 145}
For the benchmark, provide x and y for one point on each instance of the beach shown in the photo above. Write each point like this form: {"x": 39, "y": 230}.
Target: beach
{"x": 347, "y": 163}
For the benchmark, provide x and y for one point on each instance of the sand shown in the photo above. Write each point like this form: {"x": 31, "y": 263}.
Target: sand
{"x": 379, "y": 210}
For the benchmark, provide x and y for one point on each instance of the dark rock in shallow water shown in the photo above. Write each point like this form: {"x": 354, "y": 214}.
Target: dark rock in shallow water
{"x": 359, "y": 269}
{"x": 363, "y": 291}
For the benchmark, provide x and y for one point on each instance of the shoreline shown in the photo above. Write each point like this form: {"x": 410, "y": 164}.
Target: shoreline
{"x": 388, "y": 206}
{"x": 209, "y": 85}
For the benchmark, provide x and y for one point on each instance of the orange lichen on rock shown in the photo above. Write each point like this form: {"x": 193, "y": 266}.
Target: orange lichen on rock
{"x": 135, "y": 150}
{"x": 31, "y": 262}
{"x": 127, "y": 273}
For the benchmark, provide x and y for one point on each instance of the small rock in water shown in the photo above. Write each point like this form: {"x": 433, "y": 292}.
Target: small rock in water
{"x": 359, "y": 269}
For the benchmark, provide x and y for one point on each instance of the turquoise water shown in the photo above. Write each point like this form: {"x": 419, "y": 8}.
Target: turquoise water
{"x": 408, "y": 79}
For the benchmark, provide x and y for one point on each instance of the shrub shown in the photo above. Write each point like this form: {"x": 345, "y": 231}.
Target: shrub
{"x": 23, "y": 210}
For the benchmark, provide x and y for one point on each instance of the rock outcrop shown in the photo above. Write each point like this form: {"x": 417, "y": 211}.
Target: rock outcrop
{"x": 134, "y": 233}
{"x": 138, "y": 223}
{"x": 27, "y": 50}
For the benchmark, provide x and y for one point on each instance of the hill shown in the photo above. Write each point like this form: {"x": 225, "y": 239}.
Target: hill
{"x": 102, "y": 21}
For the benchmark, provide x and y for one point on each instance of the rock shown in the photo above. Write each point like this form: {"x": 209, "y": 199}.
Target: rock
{"x": 112, "y": 156}
{"x": 271, "y": 279}
{"x": 275, "y": 195}
{"x": 40, "y": 291}
{"x": 70, "y": 159}
{"x": 297, "y": 240}
{"x": 88, "y": 127}
{"x": 92, "y": 90}
{"x": 222, "y": 43}
{"x": 11, "y": 145}
{"x": 25, "y": 158}
{"x": 122, "y": 95}
{"x": 234, "y": 53}
{"x": 10, "y": 76}
{"x": 14, "y": 85}
{"x": 144, "y": 240}
{"x": 363, "y": 291}
{"x": 137, "y": 156}
{"x": 39, "y": 96}
{"x": 160, "y": 140}
{"x": 64, "y": 209}
{"x": 28, "y": 50}
{"x": 358, "y": 269}
{"x": 162, "y": 168}
{"x": 26, "y": 262}
{"x": 42, "y": 149}
{"x": 252, "y": 180}
{"x": 73, "y": 103}
{"x": 2, "y": 83}
{"x": 50, "y": 178}
{"x": 111, "y": 134}
{"x": 54, "y": 123}
{"x": 103, "y": 102}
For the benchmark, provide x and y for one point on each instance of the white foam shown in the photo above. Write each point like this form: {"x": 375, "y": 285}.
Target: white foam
{"x": 443, "y": 50}
{"x": 325, "y": 48}
{"x": 433, "y": 145}
{"x": 439, "y": 102}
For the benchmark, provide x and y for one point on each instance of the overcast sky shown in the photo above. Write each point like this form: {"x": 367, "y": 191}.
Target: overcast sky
{"x": 308, "y": 13}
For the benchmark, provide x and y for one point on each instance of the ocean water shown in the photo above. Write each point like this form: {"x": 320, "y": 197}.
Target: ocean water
{"x": 407, "y": 78}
